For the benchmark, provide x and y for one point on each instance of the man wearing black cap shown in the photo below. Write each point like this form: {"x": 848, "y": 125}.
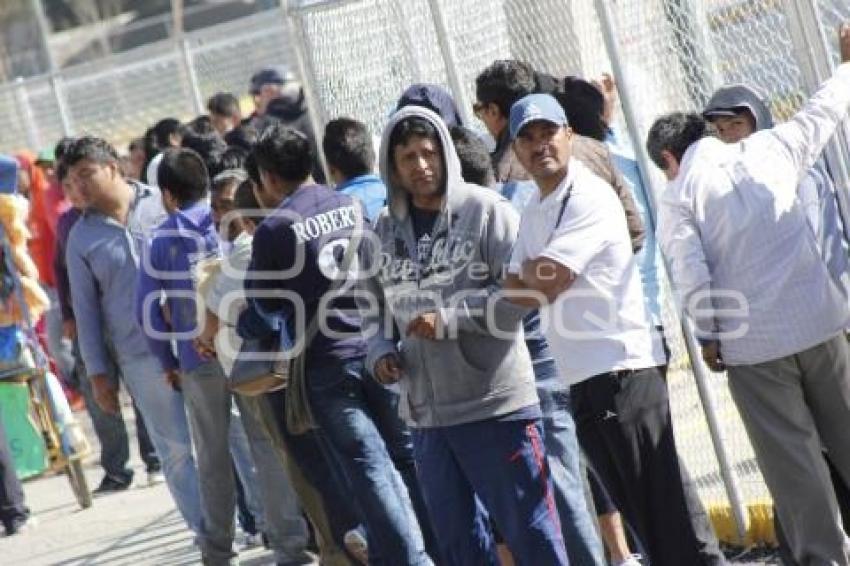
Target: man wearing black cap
{"x": 267, "y": 84}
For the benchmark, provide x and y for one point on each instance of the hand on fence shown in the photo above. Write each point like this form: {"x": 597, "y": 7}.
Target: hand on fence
{"x": 608, "y": 87}
{"x": 844, "y": 42}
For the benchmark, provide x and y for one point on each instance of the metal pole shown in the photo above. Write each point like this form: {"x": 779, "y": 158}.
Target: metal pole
{"x": 813, "y": 56}
{"x": 397, "y": 9}
{"x": 177, "y": 19}
{"x": 25, "y": 113}
{"x": 44, "y": 33}
{"x": 308, "y": 80}
{"x": 191, "y": 76}
{"x": 701, "y": 377}
{"x": 447, "y": 51}
{"x": 58, "y": 86}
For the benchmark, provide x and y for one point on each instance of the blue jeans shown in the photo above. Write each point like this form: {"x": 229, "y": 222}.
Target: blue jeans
{"x": 313, "y": 457}
{"x": 564, "y": 458}
{"x": 497, "y": 465}
{"x": 280, "y": 514}
{"x": 165, "y": 417}
{"x": 345, "y": 408}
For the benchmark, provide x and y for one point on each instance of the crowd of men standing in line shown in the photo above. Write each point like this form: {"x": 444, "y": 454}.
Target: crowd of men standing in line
{"x": 483, "y": 329}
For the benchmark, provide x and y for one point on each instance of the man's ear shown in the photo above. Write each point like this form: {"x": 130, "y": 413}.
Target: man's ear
{"x": 115, "y": 169}
{"x": 671, "y": 164}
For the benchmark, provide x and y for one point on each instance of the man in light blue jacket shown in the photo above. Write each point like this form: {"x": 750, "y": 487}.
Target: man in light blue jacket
{"x": 103, "y": 264}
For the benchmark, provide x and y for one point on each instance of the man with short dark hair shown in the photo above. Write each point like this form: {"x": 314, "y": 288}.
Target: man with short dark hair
{"x": 166, "y": 133}
{"x": 351, "y": 160}
{"x": 497, "y": 88}
{"x": 467, "y": 388}
{"x": 748, "y": 270}
{"x": 103, "y": 254}
{"x": 475, "y": 164}
{"x": 187, "y": 236}
{"x": 110, "y": 429}
{"x": 224, "y": 110}
{"x": 312, "y": 230}
{"x": 562, "y": 450}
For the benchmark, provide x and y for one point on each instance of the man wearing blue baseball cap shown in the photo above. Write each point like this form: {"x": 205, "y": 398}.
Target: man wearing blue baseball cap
{"x": 573, "y": 259}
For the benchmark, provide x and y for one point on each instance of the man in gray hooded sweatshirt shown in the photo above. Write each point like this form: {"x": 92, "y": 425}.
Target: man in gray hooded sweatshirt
{"x": 467, "y": 383}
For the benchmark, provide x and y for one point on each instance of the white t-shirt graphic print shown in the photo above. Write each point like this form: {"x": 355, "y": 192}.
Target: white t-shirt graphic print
{"x": 600, "y": 323}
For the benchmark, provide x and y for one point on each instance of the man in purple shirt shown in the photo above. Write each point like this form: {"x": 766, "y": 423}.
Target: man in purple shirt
{"x": 168, "y": 261}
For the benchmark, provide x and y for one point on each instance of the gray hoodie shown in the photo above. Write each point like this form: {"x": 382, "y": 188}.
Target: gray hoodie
{"x": 732, "y": 97}
{"x": 473, "y": 375}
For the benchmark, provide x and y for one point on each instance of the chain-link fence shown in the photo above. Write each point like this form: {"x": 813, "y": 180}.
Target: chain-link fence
{"x": 357, "y": 56}
{"x": 120, "y": 96}
{"x": 671, "y": 55}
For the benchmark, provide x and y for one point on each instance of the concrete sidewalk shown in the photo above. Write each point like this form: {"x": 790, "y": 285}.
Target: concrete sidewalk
{"x": 139, "y": 526}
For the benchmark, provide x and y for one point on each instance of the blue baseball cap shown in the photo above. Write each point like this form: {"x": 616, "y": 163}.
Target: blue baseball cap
{"x": 536, "y": 107}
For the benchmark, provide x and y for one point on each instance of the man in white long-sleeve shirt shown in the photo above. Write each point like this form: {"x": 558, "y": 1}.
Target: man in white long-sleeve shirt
{"x": 748, "y": 270}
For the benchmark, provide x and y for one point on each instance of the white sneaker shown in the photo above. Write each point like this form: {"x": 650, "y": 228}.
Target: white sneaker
{"x": 632, "y": 560}
{"x": 357, "y": 545}
{"x": 155, "y": 478}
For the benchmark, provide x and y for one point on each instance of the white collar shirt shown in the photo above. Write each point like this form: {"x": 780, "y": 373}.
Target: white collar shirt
{"x": 741, "y": 254}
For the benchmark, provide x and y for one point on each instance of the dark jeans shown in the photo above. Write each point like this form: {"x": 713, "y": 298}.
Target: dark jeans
{"x": 353, "y": 416}
{"x": 13, "y": 511}
{"x": 624, "y": 427}
{"x": 312, "y": 455}
{"x": 490, "y": 466}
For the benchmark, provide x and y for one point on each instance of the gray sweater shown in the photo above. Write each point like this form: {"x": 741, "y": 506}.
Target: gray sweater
{"x": 474, "y": 374}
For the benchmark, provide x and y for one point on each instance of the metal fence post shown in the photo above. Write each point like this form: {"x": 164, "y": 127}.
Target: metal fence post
{"x": 447, "y": 51}
{"x": 701, "y": 377}
{"x": 810, "y": 43}
{"x": 308, "y": 80}
{"x": 26, "y": 115}
{"x": 57, "y": 85}
{"x": 191, "y": 76}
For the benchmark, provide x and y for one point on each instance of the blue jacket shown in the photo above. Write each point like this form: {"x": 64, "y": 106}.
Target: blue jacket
{"x": 103, "y": 265}
{"x": 310, "y": 229}
{"x": 186, "y": 237}
{"x": 369, "y": 190}
{"x": 648, "y": 258}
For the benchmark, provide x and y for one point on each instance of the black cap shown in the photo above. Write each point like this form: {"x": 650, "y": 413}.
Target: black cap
{"x": 267, "y": 76}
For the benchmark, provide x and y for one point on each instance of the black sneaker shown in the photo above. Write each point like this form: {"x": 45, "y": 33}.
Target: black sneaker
{"x": 110, "y": 484}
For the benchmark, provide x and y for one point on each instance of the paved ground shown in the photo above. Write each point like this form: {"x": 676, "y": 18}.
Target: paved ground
{"x": 140, "y": 526}
{"x": 137, "y": 527}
